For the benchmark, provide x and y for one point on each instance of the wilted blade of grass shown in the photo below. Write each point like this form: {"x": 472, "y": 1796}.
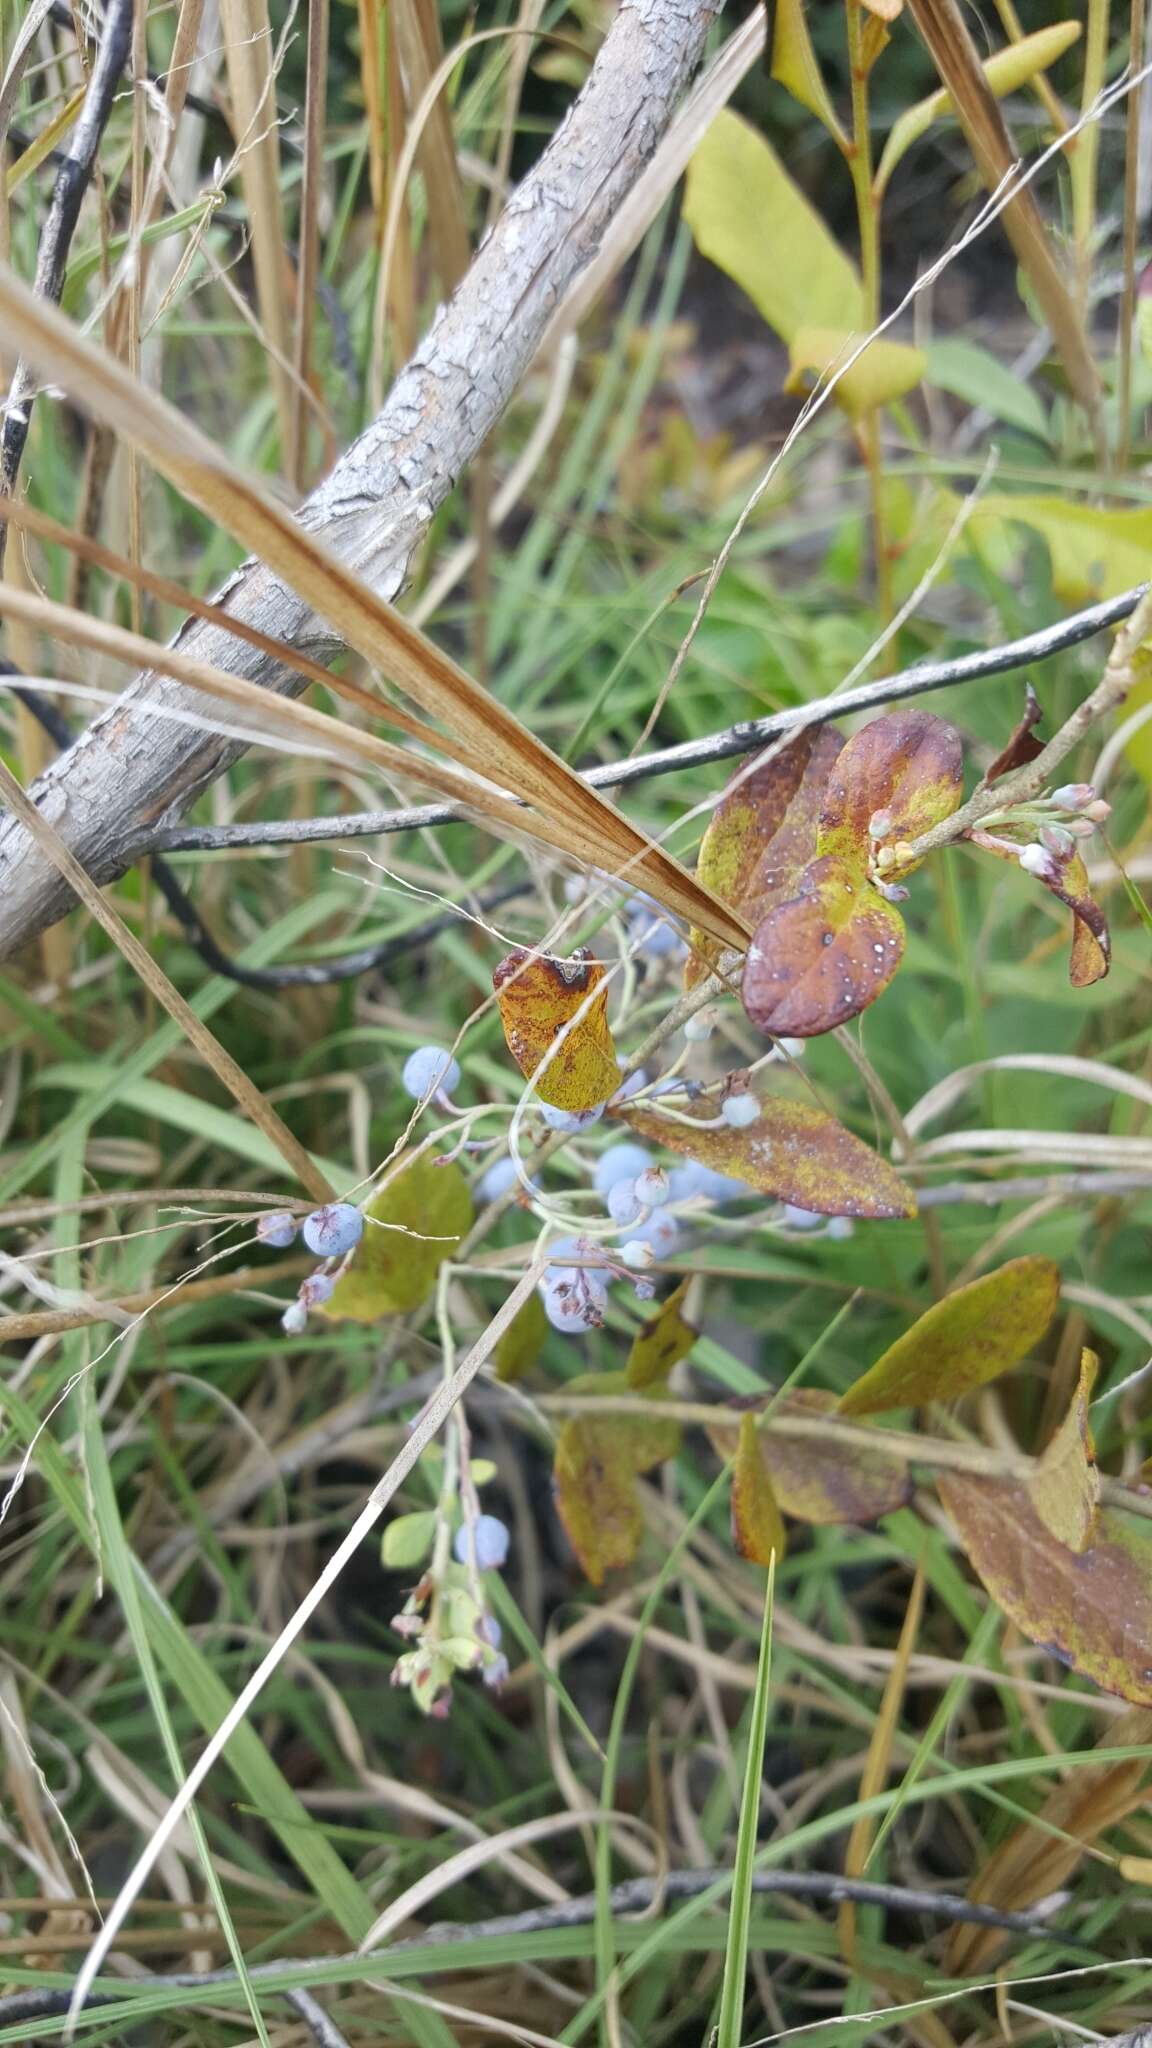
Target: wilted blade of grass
{"x": 566, "y": 811}
{"x": 728, "y": 2027}
{"x": 45, "y": 142}
{"x": 945, "y": 31}
{"x": 247, "y": 34}
{"x": 878, "y": 1761}
{"x": 416, "y": 28}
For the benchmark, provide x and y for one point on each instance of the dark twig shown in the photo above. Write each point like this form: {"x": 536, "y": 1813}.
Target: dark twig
{"x": 72, "y": 180}
{"x": 735, "y": 739}
{"x": 302, "y": 974}
{"x": 634, "y": 1896}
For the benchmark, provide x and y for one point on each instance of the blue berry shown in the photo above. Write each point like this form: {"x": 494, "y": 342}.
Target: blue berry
{"x": 499, "y": 1179}
{"x": 277, "y": 1229}
{"x": 624, "y": 1203}
{"x": 333, "y": 1230}
{"x": 490, "y": 1631}
{"x": 573, "y": 1296}
{"x": 316, "y": 1288}
{"x": 801, "y": 1219}
{"x": 739, "y": 1111}
{"x": 636, "y": 1253}
{"x": 491, "y": 1540}
{"x": 619, "y": 1162}
{"x": 840, "y": 1227}
{"x": 570, "y": 1119}
{"x": 495, "y": 1673}
{"x": 650, "y": 933}
{"x": 565, "y": 1310}
{"x": 294, "y": 1318}
{"x": 694, "y": 1180}
{"x": 427, "y": 1069}
{"x": 661, "y": 1232}
{"x": 653, "y": 1188}
{"x": 631, "y": 1086}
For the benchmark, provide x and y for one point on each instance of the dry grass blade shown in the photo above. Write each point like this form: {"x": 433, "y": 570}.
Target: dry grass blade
{"x": 308, "y": 260}
{"x": 568, "y": 811}
{"x": 247, "y": 36}
{"x": 416, "y": 28}
{"x": 945, "y": 31}
{"x": 244, "y": 1092}
{"x": 878, "y": 1762}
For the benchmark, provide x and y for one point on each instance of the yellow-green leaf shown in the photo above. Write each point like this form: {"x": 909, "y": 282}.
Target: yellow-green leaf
{"x": 407, "y": 1540}
{"x": 1092, "y": 1607}
{"x": 1065, "y": 1490}
{"x": 522, "y": 1342}
{"x": 556, "y": 1012}
{"x": 411, "y": 1226}
{"x": 598, "y": 1458}
{"x": 969, "y": 1338}
{"x": 794, "y": 1151}
{"x": 662, "y": 1342}
{"x": 757, "y": 1525}
{"x": 795, "y": 67}
{"x": 748, "y": 216}
{"x": 1006, "y": 72}
{"x": 885, "y": 371}
{"x": 1094, "y": 553}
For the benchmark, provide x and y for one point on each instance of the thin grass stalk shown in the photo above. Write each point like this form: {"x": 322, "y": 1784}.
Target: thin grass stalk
{"x": 1131, "y": 236}
{"x": 416, "y": 29}
{"x": 868, "y": 223}
{"x": 945, "y": 31}
{"x": 308, "y": 234}
{"x": 252, "y": 82}
{"x": 1084, "y": 158}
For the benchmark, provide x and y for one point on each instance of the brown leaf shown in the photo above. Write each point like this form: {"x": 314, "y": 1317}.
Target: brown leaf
{"x": 1065, "y": 1491}
{"x": 662, "y": 1342}
{"x": 598, "y": 1458}
{"x": 757, "y": 1529}
{"x": 962, "y": 1342}
{"x": 793, "y": 1151}
{"x": 818, "y": 1480}
{"x": 897, "y": 776}
{"x": 1067, "y": 877}
{"x": 537, "y": 998}
{"x": 762, "y": 834}
{"x": 1021, "y": 747}
{"x": 1092, "y": 1608}
{"x": 823, "y": 955}
{"x": 1091, "y": 940}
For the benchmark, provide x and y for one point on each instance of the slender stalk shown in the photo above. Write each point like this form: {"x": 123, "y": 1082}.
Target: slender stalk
{"x": 1084, "y": 159}
{"x": 868, "y": 223}
{"x": 1131, "y": 228}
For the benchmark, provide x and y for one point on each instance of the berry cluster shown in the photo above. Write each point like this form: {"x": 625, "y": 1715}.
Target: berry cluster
{"x": 333, "y": 1233}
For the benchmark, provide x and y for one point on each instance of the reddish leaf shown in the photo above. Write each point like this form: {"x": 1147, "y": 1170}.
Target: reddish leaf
{"x": 818, "y": 1479}
{"x": 757, "y": 1527}
{"x": 823, "y": 955}
{"x": 664, "y": 1340}
{"x": 1091, "y": 940}
{"x": 537, "y": 998}
{"x": 1065, "y": 1489}
{"x": 964, "y": 1341}
{"x": 598, "y": 1458}
{"x": 1067, "y": 877}
{"x": 793, "y": 1151}
{"x": 897, "y": 776}
{"x": 762, "y": 833}
{"x": 1021, "y": 747}
{"x": 1093, "y": 1608}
